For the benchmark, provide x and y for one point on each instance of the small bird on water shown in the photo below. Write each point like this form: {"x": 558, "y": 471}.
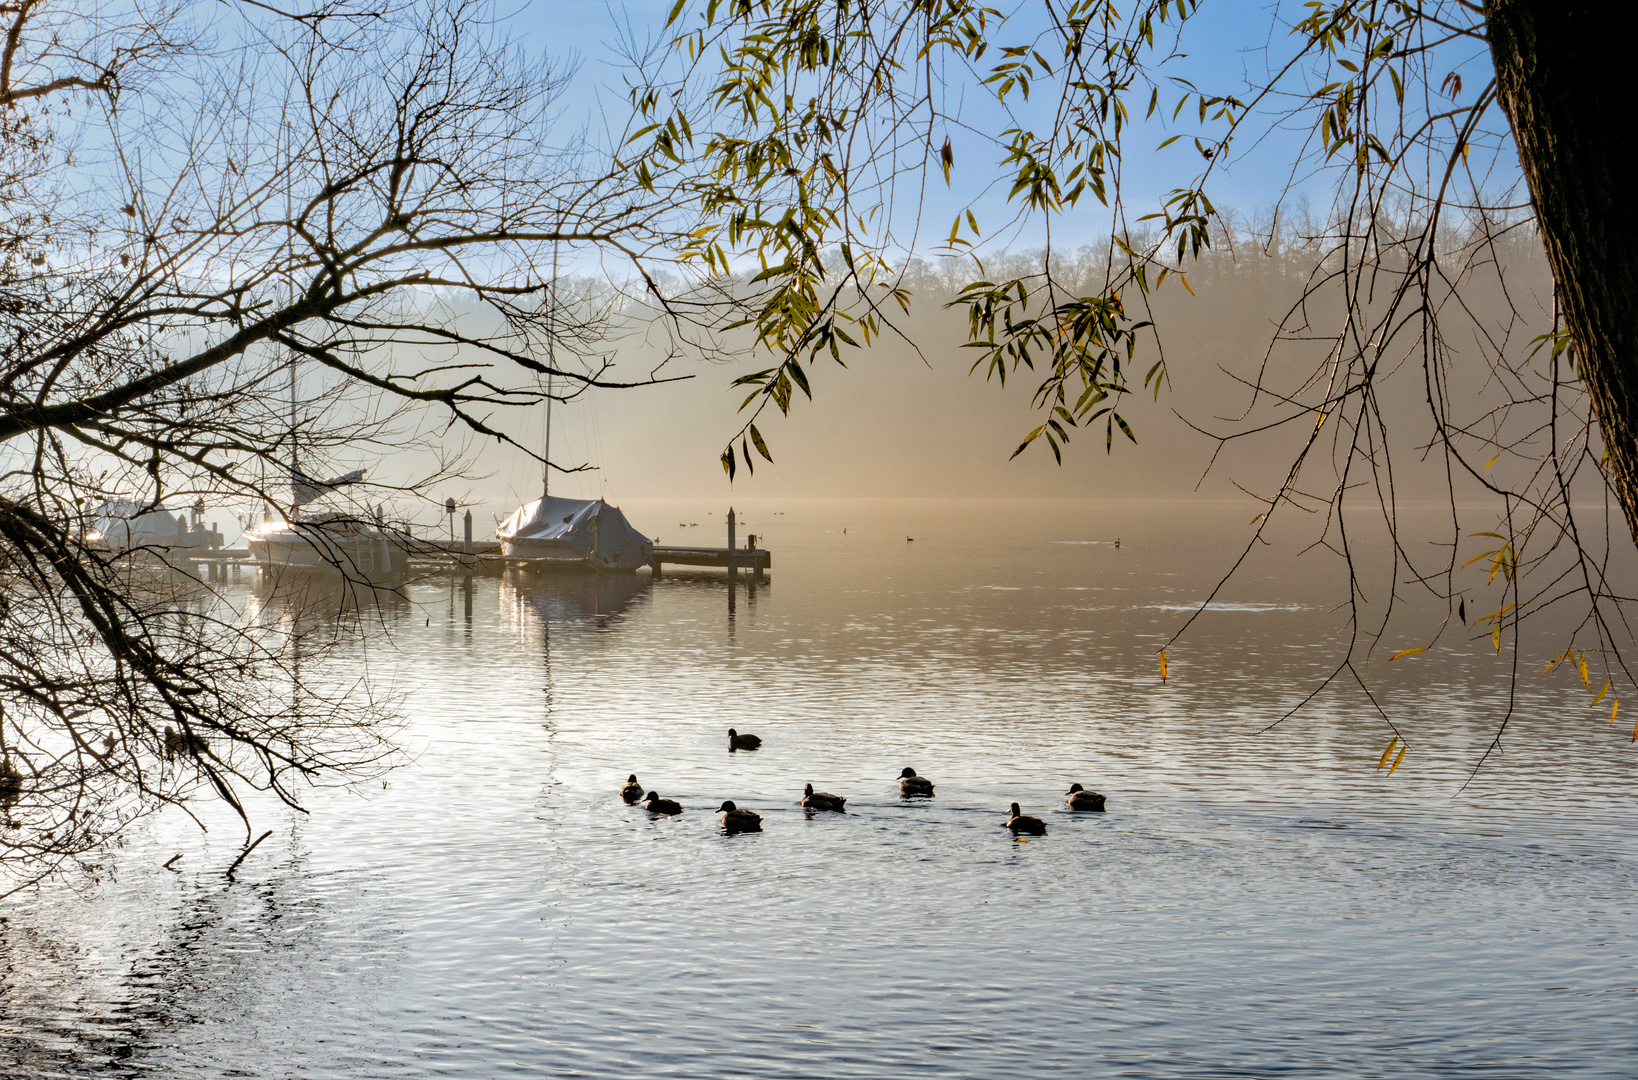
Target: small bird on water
{"x": 911, "y": 784}
{"x": 631, "y": 791}
{"x": 736, "y": 741}
{"x": 184, "y": 742}
{"x": 656, "y": 805}
{"x": 822, "y": 800}
{"x": 1019, "y": 823}
{"x": 1081, "y": 799}
{"x": 735, "y": 820}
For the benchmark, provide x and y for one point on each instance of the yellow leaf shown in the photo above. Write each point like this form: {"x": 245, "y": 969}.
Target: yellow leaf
{"x": 1398, "y": 759}
{"x": 1489, "y": 463}
{"x": 1581, "y": 664}
{"x": 1495, "y": 637}
{"x": 1391, "y": 744}
{"x": 1256, "y": 519}
{"x": 1162, "y": 665}
{"x": 1407, "y": 652}
{"x": 1601, "y": 694}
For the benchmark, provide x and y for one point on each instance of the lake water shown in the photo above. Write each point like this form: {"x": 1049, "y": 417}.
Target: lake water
{"x": 1252, "y": 905}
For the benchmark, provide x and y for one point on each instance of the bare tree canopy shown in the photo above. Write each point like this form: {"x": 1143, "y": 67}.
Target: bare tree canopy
{"x": 818, "y": 129}
{"x": 196, "y": 198}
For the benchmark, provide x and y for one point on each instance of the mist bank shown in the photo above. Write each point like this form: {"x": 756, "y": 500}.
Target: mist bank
{"x": 906, "y": 417}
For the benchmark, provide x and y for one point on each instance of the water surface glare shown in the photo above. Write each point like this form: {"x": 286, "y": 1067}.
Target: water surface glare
{"x": 1251, "y": 905}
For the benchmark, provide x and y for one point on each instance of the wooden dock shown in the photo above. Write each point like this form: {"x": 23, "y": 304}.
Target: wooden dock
{"x": 486, "y": 557}
{"x": 470, "y": 555}
{"x": 756, "y": 560}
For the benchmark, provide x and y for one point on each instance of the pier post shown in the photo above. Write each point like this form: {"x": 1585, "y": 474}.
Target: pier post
{"x": 466, "y": 560}
{"x": 733, "y": 555}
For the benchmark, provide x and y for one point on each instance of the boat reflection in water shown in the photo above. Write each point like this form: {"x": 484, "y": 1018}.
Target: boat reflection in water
{"x": 325, "y": 598}
{"x": 551, "y": 597}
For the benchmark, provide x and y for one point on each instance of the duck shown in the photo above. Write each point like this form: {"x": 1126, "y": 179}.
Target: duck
{"x": 11, "y": 781}
{"x": 656, "y": 805}
{"x": 184, "y": 742}
{"x": 631, "y": 790}
{"x": 736, "y": 741}
{"x": 1081, "y": 799}
{"x": 1019, "y": 823}
{"x": 735, "y": 820}
{"x": 822, "y": 800}
{"x": 911, "y": 784}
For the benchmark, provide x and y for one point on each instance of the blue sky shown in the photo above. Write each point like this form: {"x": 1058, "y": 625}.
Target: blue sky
{"x": 1224, "y": 47}
{"x": 1233, "y": 32}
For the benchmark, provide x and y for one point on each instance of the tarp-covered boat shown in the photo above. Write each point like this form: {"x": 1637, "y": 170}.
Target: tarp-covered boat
{"x": 126, "y": 524}
{"x": 574, "y": 534}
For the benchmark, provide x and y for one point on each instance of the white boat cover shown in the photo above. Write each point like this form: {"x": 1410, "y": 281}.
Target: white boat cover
{"x": 122, "y": 524}
{"x": 581, "y": 530}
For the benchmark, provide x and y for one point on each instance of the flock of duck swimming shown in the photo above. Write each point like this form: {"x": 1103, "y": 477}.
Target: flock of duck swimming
{"x": 737, "y": 820}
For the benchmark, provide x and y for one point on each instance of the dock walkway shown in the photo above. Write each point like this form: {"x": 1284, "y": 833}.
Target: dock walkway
{"x": 756, "y": 560}
{"x": 441, "y": 554}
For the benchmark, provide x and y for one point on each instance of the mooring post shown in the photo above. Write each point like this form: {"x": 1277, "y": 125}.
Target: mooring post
{"x": 466, "y": 560}
{"x": 733, "y": 560}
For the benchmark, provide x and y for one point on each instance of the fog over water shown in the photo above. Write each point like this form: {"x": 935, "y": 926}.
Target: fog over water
{"x": 1251, "y": 904}
{"x": 905, "y": 417}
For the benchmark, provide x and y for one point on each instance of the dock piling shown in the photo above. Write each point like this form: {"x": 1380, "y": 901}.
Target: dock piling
{"x": 733, "y": 553}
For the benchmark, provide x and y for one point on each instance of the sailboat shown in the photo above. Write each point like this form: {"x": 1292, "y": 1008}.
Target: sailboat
{"x": 329, "y": 542}
{"x": 555, "y": 533}
{"x": 356, "y": 547}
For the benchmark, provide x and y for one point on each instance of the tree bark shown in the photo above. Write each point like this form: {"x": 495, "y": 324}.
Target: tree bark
{"x": 1564, "y": 76}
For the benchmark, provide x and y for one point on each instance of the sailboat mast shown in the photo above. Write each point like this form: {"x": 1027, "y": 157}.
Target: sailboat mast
{"x": 290, "y": 286}
{"x": 551, "y": 372}
{"x": 295, "y": 469}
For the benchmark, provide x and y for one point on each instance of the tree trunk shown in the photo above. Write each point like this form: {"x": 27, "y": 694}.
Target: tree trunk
{"x": 1564, "y": 76}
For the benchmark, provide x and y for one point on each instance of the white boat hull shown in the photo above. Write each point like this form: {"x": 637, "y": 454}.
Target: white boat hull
{"x": 357, "y": 552}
